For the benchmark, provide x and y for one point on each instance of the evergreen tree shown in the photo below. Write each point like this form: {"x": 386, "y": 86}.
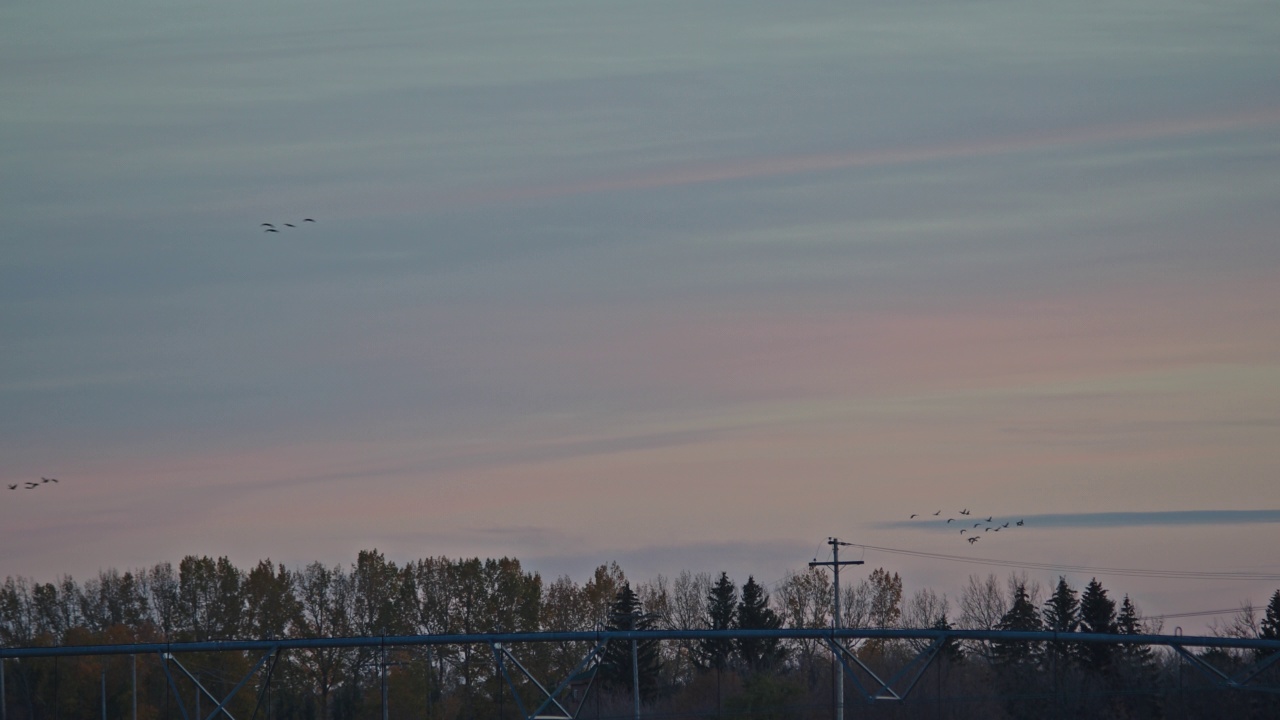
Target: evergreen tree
{"x": 1136, "y": 671}
{"x": 1021, "y": 616}
{"x": 616, "y": 671}
{"x": 1137, "y": 657}
{"x": 1018, "y": 663}
{"x": 722, "y": 614}
{"x": 951, "y": 649}
{"x": 1062, "y": 610}
{"x": 754, "y": 613}
{"x": 1062, "y": 615}
{"x": 1097, "y": 615}
{"x": 1270, "y": 627}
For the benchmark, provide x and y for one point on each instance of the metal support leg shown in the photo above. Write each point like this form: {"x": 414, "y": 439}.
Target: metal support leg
{"x": 503, "y": 656}
{"x": 221, "y": 704}
{"x": 164, "y": 664}
{"x": 885, "y": 690}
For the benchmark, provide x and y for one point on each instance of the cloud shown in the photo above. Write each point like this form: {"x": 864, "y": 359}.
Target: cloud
{"x": 1122, "y": 519}
{"x": 739, "y": 559}
{"x": 782, "y": 165}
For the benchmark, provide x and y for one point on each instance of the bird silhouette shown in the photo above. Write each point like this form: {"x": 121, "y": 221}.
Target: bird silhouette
{"x": 986, "y": 529}
{"x": 271, "y": 230}
{"x": 13, "y": 486}
{"x": 1005, "y": 525}
{"x": 290, "y": 225}
{"x": 977, "y": 524}
{"x": 963, "y": 531}
{"x": 267, "y": 225}
{"x": 988, "y": 519}
{"x": 973, "y": 540}
{"x": 997, "y": 529}
{"x": 964, "y": 511}
{"x": 48, "y": 480}
{"x": 32, "y": 485}
{"x": 938, "y": 513}
{"x": 912, "y": 515}
{"x": 307, "y": 220}
{"x": 950, "y": 519}
{"x": 1019, "y": 523}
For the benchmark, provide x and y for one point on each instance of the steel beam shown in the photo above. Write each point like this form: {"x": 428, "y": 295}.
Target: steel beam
{"x": 821, "y": 634}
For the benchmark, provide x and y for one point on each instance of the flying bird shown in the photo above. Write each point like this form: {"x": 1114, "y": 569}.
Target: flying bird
{"x": 271, "y": 230}
{"x": 32, "y": 485}
{"x": 964, "y": 511}
{"x": 973, "y": 540}
{"x": 977, "y": 524}
{"x": 13, "y": 486}
{"x": 267, "y": 225}
{"x": 48, "y": 480}
{"x": 1005, "y": 525}
{"x": 307, "y": 220}
{"x": 997, "y": 529}
{"x": 290, "y": 225}
{"x": 1019, "y": 523}
{"x": 988, "y": 519}
{"x": 938, "y": 513}
{"x": 912, "y": 515}
{"x": 950, "y": 519}
{"x": 963, "y": 531}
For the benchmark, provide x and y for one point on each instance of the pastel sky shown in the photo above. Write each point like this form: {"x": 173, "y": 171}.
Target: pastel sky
{"x": 684, "y": 285}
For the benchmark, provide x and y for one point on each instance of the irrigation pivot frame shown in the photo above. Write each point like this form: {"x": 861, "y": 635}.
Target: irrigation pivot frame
{"x": 554, "y": 705}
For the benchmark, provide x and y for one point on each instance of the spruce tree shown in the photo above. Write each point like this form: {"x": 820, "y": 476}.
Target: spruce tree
{"x": 1062, "y": 610}
{"x": 1097, "y": 615}
{"x": 951, "y": 648}
{"x": 1270, "y": 628}
{"x": 1062, "y": 615}
{"x": 1138, "y": 657}
{"x": 1022, "y": 616}
{"x": 754, "y": 613}
{"x": 722, "y": 614}
{"x": 1018, "y": 663}
{"x": 616, "y": 672}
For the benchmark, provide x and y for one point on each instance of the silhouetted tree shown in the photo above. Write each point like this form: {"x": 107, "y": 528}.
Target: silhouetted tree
{"x": 1270, "y": 626}
{"x": 1097, "y": 615}
{"x": 754, "y": 613}
{"x": 1062, "y": 615}
{"x": 1019, "y": 662}
{"x": 626, "y": 613}
{"x": 271, "y": 608}
{"x": 1021, "y": 616}
{"x": 951, "y": 648}
{"x": 721, "y": 614}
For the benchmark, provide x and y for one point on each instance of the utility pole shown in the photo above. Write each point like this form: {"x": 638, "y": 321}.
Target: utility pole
{"x": 835, "y": 564}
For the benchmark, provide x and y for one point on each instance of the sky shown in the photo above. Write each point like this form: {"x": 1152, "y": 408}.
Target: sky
{"x": 682, "y": 285}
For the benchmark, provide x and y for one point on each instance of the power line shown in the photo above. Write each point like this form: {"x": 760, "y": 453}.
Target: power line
{"x": 1057, "y": 567}
{"x": 1195, "y": 613}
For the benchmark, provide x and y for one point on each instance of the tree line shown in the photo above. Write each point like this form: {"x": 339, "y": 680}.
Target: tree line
{"x": 211, "y": 599}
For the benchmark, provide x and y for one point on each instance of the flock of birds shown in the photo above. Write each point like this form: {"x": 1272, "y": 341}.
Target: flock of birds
{"x": 988, "y": 525}
{"x": 30, "y": 485}
{"x": 270, "y": 227}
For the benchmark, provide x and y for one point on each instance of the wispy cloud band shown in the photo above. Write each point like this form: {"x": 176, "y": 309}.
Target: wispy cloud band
{"x": 1125, "y": 519}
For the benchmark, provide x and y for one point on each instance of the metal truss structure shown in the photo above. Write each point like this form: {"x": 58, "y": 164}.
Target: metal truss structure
{"x": 564, "y": 699}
